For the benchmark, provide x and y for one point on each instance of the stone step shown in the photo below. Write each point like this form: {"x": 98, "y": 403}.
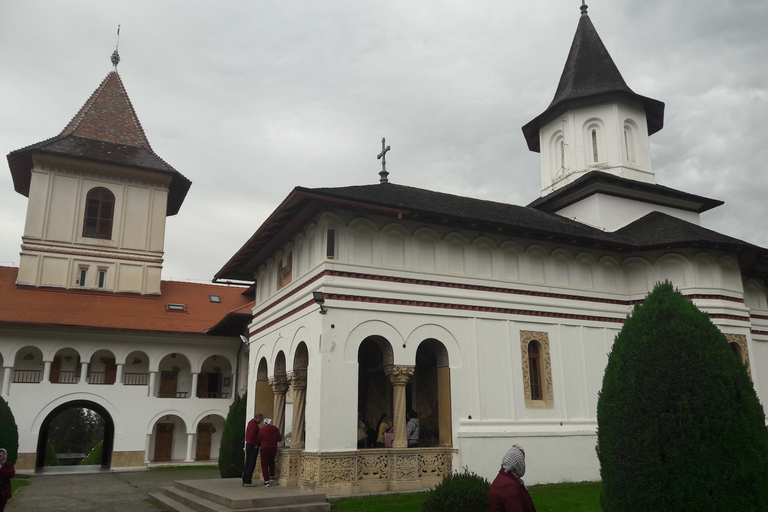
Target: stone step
{"x": 228, "y": 495}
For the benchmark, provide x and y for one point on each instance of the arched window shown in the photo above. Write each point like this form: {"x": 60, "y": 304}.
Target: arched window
{"x": 99, "y": 210}
{"x": 534, "y": 369}
{"x": 594, "y": 146}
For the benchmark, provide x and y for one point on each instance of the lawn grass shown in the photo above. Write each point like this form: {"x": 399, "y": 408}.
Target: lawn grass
{"x": 19, "y": 481}
{"x": 565, "y": 497}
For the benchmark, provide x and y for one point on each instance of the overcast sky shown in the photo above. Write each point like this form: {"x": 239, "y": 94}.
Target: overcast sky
{"x": 250, "y": 99}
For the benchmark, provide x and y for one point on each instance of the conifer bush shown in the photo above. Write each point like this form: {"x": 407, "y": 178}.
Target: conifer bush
{"x": 94, "y": 456}
{"x": 465, "y": 492}
{"x": 9, "y": 433}
{"x": 51, "y": 459}
{"x": 231, "y": 455}
{"x": 680, "y": 427}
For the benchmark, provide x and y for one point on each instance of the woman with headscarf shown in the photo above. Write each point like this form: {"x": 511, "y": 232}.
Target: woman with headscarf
{"x": 6, "y": 473}
{"x": 267, "y": 439}
{"x": 508, "y": 492}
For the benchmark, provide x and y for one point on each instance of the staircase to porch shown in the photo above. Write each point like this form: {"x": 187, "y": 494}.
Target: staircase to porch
{"x": 228, "y": 494}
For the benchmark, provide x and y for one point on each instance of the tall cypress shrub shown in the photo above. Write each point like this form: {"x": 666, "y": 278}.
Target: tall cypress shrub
{"x": 231, "y": 455}
{"x": 680, "y": 427}
{"x": 9, "y": 433}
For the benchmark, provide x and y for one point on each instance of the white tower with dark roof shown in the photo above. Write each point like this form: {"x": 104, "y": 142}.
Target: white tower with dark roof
{"x": 98, "y": 199}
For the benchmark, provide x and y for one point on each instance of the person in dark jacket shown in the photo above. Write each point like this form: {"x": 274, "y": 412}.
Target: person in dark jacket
{"x": 251, "y": 448}
{"x": 269, "y": 436}
{"x": 508, "y": 492}
{"x": 7, "y": 470}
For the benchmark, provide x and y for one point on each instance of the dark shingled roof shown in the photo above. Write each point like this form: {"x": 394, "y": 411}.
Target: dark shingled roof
{"x": 590, "y": 77}
{"x": 655, "y": 230}
{"x": 595, "y": 182}
{"x": 106, "y": 129}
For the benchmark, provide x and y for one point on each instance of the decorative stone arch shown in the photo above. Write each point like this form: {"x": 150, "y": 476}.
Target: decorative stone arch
{"x": 511, "y": 256}
{"x": 426, "y": 250}
{"x": 28, "y": 364}
{"x": 220, "y": 357}
{"x": 538, "y": 387}
{"x": 372, "y": 328}
{"x": 754, "y": 294}
{"x": 299, "y": 256}
{"x": 174, "y": 368}
{"x": 675, "y": 269}
{"x": 213, "y": 376}
{"x": 706, "y": 273}
{"x": 284, "y": 264}
{"x": 731, "y": 273}
{"x": 455, "y": 254}
{"x": 639, "y": 274}
{"x": 363, "y": 238}
{"x": 610, "y": 276}
{"x": 585, "y": 271}
{"x": 396, "y": 246}
{"x": 70, "y": 402}
{"x": 562, "y": 267}
{"x": 536, "y": 262}
{"x": 483, "y": 257}
{"x": 738, "y": 343}
{"x": 312, "y": 247}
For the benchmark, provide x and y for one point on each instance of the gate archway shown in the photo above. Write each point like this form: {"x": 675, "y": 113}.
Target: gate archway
{"x": 109, "y": 432}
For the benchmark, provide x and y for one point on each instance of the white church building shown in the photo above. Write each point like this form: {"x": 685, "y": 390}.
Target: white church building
{"x": 492, "y": 321}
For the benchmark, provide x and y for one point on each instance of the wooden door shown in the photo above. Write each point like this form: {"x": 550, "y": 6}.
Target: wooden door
{"x": 168, "y": 385}
{"x": 204, "y": 441}
{"x": 110, "y": 371}
{"x": 55, "y": 369}
{"x": 202, "y": 385}
{"x": 164, "y": 442}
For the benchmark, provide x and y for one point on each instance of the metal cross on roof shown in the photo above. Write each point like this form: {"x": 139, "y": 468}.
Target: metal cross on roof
{"x": 383, "y": 157}
{"x": 116, "y": 56}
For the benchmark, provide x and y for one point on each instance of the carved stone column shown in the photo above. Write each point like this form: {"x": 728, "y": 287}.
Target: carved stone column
{"x": 279, "y": 388}
{"x": 399, "y": 376}
{"x": 298, "y": 380}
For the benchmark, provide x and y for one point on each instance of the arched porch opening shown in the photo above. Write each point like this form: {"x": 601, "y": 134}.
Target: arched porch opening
{"x": 429, "y": 394}
{"x": 102, "y": 368}
{"x": 107, "y": 441}
{"x": 208, "y": 434}
{"x": 263, "y": 401}
{"x": 136, "y": 369}
{"x": 215, "y": 378}
{"x": 168, "y": 441}
{"x": 374, "y": 389}
{"x": 175, "y": 376}
{"x": 298, "y": 395}
{"x": 65, "y": 368}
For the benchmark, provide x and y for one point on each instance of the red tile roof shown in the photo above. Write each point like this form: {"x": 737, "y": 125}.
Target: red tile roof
{"x": 24, "y": 305}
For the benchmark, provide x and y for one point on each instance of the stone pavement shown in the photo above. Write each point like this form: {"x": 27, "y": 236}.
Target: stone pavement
{"x": 99, "y": 492}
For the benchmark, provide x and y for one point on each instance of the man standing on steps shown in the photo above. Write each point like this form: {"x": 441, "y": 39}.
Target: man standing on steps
{"x": 251, "y": 448}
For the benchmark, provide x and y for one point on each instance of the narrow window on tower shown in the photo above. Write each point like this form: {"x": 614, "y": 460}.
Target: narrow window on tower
{"x": 534, "y": 370}
{"x": 330, "y": 252}
{"x": 562, "y": 153}
{"x": 99, "y": 211}
{"x": 82, "y": 274}
{"x": 594, "y": 145}
{"x": 102, "y": 278}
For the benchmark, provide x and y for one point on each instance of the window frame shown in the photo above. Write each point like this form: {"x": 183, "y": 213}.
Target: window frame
{"x": 99, "y": 213}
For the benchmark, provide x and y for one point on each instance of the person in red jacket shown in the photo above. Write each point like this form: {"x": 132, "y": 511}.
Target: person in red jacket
{"x": 6, "y": 473}
{"x": 269, "y": 436}
{"x": 508, "y": 492}
{"x": 251, "y": 448}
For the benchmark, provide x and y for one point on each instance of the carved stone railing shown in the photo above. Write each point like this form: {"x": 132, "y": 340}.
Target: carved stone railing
{"x": 365, "y": 471}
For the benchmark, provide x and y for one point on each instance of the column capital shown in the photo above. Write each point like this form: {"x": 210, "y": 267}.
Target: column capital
{"x": 298, "y": 379}
{"x": 399, "y": 375}
{"x": 279, "y": 383}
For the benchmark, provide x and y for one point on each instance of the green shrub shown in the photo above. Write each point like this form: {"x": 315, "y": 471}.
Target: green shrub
{"x": 51, "y": 459}
{"x": 680, "y": 427}
{"x": 94, "y": 457}
{"x": 9, "y": 433}
{"x": 231, "y": 463}
{"x": 465, "y": 492}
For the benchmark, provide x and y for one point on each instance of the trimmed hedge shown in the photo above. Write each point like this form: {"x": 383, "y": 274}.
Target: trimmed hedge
{"x": 465, "y": 491}
{"x": 9, "y": 433}
{"x": 231, "y": 455}
{"x": 680, "y": 427}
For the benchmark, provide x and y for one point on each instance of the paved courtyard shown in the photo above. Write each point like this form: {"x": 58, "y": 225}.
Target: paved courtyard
{"x": 99, "y": 492}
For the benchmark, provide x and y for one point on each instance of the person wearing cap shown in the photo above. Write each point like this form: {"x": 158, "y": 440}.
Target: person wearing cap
{"x": 267, "y": 439}
{"x": 508, "y": 492}
{"x": 7, "y": 470}
{"x": 251, "y": 448}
